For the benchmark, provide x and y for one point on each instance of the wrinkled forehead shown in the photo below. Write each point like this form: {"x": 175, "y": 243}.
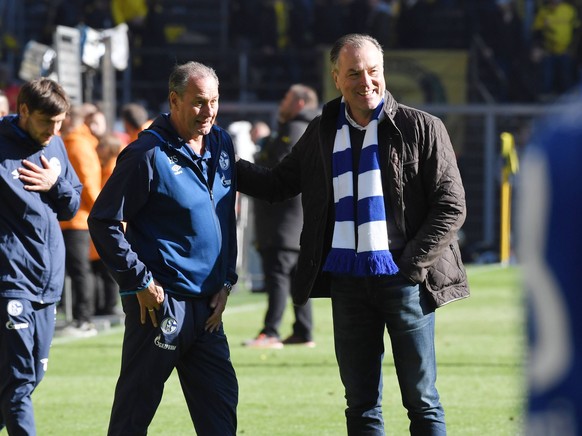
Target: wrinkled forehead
{"x": 361, "y": 57}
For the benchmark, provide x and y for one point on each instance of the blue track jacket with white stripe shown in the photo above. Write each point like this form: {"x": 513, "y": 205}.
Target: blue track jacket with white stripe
{"x": 181, "y": 226}
{"x": 32, "y": 250}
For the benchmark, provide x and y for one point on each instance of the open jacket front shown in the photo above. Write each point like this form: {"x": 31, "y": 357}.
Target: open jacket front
{"x": 422, "y": 188}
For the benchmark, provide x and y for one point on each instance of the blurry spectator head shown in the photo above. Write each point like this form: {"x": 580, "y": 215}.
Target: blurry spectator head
{"x": 110, "y": 145}
{"x": 297, "y": 98}
{"x": 97, "y": 123}
{"x": 259, "y": 131}
{"x": 75, "y": 117}
{"x": 4, "y": 104}
{"x": 134, "y": 118}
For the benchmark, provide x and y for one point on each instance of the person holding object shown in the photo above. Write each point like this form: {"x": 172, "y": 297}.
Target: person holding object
{"x": 38, "y": 188}
{"x": 175, "y": 261}
{"x": 382, "y": 203}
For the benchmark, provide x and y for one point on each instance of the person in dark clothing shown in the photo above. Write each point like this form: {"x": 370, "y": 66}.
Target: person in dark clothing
{"x": 278, "y": 226}
{"x": 382, "y": 203}
{"x": 38, "y": 188}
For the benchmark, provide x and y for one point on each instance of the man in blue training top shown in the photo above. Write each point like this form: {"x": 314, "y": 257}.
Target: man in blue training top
{"x": 175, "y": 262}
{"x": 38, "y": 188}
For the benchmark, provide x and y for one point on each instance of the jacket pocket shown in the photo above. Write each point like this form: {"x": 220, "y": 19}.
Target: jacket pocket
{"x": 446, "y": 279}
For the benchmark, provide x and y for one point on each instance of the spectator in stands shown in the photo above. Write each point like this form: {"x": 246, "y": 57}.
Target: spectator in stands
{"x": 80, "y": 145}
{"x": 4, "y": 104}
{"x": 278, "y": 227}
{"x": 280, "y": 35}
{"x": 98, "y": 14}
{"x": 555, "y": 33}
{"x": 135, "y": 119}
{"x": 502, "y": 31}
{"x": 97, "y": 122}
{"x": 131, "y": 12}
{"x": 381, "y": 22}
{"x": 414, "y": 22}
{"x": 329, "y": 20}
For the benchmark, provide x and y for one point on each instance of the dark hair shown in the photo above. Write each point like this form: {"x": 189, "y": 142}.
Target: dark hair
{"x": 134, "y": 114}
{"x": 109, "y": 146}
{"x": 179, "y": 77}
{"x": 352, "y": 39}
{"x": 43, "y": 95}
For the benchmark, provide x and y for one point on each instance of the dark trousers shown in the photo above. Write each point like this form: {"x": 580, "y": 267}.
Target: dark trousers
{"x": 150, "y": 354}
{"x": 106, "y": 289}
{"x": 278, "y": 268}
{"x": 25, "y": 337}
{"x": 79, "y": 270}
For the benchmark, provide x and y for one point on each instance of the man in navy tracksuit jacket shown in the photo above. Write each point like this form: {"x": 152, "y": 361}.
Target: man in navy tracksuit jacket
{"x": 175, "y": 261}
{"x": 38, "y": 187}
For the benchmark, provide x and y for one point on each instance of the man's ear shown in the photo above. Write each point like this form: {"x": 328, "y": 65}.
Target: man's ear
{"x": 334, "y": 77}
{"x": 172, "y": 99}
{"x": 23, "y": 110}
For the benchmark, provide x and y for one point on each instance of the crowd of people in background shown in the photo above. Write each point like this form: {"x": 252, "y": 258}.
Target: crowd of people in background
{"x": 533, "y": 60}
{"x": 528, "y": 51}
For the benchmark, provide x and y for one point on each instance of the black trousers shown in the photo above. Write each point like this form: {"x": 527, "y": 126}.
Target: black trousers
{"x": 79, "y": 270}
{"x": 278, "y": 268}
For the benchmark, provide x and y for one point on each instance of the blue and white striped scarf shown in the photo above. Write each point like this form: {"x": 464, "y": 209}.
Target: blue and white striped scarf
{"x": 372, "y": 255}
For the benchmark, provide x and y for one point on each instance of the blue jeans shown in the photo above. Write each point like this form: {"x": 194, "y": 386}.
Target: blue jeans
{"x": 362, "y": 308}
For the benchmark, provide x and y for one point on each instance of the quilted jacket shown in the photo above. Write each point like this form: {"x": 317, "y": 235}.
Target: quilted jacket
{"x": 423, "y": 188}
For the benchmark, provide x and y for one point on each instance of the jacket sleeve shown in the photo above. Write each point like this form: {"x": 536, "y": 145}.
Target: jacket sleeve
{"x": 445, "y": 197}
{"x": 231, "y": 274}
{"x": 284, "y": 180}
{"x": 65, "y": 195}
{"x": 122, "y": 197}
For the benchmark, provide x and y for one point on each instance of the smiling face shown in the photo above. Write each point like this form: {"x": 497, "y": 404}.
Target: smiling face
{"x": 38, "y": 125}
{"x": 359, "y": 76}
{"x": 194, "y": 112}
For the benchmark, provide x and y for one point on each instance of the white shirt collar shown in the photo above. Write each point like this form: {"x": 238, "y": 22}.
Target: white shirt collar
{"x": 354, "y": 124}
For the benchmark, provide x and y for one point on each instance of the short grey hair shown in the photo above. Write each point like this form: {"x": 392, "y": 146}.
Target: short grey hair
{"x": 355, "y": 40}
{"x": 181, "y": 74}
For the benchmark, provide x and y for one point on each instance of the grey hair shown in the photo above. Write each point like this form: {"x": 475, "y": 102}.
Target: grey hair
{"x": 181, "y": 74}
{"x": 355, "y": 40}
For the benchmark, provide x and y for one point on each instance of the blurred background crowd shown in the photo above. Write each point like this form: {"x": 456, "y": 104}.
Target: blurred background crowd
{"x": 518, "y": 50}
